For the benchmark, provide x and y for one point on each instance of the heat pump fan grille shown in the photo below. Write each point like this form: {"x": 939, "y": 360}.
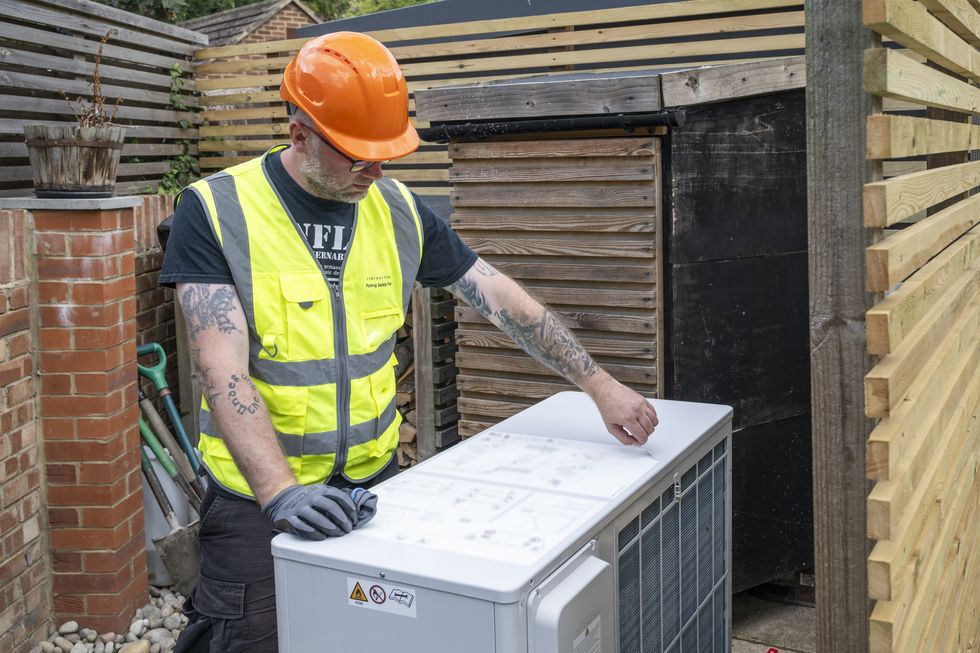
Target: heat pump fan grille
{"x": 672, "y": 569}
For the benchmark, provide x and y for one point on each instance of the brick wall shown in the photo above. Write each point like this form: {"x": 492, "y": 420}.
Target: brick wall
{"x": 25, "y": 571}
{"x": 275, "y": 29}
{"x": 154, "y": 305}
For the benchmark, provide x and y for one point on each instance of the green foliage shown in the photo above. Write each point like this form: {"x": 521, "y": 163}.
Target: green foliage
{"x": 361, "y": 7}
{"x": 183, "y": 168}
{"x": 177, "y": 11}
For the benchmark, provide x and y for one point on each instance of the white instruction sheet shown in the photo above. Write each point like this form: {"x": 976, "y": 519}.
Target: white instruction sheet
{"x": 505, "y": 496}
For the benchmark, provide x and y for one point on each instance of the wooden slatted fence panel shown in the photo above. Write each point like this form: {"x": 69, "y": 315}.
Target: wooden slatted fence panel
{"x": 47, "y": 49}
{"x": 924, "y": 569}
{"x": 239, "y": 84}
{"x": 558, "y": 216}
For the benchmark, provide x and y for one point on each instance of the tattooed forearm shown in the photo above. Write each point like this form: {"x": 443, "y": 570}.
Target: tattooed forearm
{"x": 208, "y": 306}
{"x": 243, "y": 394}
{"x": 468, "y": 290}
{"x": 549, "y": 342}
{"x": 532, "y": 326}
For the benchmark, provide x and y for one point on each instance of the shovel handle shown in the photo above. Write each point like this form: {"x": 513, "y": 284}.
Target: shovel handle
{"x": 151, "y": 479}
{"x": 155, "y": 373}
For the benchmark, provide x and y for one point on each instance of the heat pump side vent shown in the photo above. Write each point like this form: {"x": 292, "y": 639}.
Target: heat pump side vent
{"x": 672, "y": 566}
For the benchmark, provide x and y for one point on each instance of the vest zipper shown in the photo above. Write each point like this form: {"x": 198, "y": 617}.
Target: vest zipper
{"x": 342, "y": 356}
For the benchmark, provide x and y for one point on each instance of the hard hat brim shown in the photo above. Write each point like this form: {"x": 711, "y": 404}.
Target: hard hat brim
{"x": 382, "y": 150}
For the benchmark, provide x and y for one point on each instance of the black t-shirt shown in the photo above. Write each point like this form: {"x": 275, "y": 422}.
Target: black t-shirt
{"x": 194, "y": 256}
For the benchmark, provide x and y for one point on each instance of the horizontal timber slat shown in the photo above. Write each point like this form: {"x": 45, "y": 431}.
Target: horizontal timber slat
{"x": 959, "y": 15}
{"x": 889, "y": 321}
{"x": 902, "y": 136}
{"x": 629, "y": 248}
{"x": 543, "y": 97}
{"x": 500, "y": 408}
{"x": 581, "y": 271}
{"x": 888, "y": 202}
{"x": 595, "y": 345}
{"x": 894, "y": 75}
{"x": 591, "y": 320}
{"x": 473, "y": 358}
{"x": 494, "y": 385}
{"x": 713, "y": 84}
{"x": 911, "y": 25}
{"x": 563, "y": 148}
{"x": 896, "y": 257}
{"x": 558, "y": 170}
{"x": 609, "y": 194}
{"x": 543, "y": 219}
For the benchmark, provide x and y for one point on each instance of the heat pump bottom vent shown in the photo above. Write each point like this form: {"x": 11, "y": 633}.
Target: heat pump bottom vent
{"x": 672, "y": 566}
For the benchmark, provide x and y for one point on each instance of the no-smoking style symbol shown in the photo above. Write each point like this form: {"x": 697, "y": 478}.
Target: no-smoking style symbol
{"x": 378, "y": 594}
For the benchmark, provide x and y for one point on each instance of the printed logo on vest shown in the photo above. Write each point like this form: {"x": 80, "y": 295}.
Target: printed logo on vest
{"x": 378, "y": 281}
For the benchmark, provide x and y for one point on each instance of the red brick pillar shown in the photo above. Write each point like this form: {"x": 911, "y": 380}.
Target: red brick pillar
{"x": 87, "y": 366}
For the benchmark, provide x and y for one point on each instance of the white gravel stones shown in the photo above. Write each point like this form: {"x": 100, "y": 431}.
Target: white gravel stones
{"x": 154, "y": 629}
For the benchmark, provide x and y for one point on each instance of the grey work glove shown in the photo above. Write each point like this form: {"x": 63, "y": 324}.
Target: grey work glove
{"x": 315, "y": 512}
{"x": 366, "y": 504}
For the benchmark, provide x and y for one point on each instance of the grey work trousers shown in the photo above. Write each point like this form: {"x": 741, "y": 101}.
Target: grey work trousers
{"x": 233, "y": 607}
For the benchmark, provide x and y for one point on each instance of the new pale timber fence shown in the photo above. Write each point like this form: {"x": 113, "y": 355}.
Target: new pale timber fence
{"x": 242, "y": 115}
{"x": 924, "y": 569}
{"x": 47, "y": 52}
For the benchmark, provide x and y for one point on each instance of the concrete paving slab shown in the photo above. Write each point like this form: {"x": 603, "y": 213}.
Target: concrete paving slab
{"x": 766, "y": 624}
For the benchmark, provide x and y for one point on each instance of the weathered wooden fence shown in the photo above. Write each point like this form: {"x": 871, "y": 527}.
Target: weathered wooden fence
{"x": 924, "y": 570}
{"x": 239, "y": 84}
{"x": 47, "y": 53}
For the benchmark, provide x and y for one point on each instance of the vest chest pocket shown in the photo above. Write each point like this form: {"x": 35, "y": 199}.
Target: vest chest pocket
{"x": 306, "y": 309}
{"x": 378, "y": 326}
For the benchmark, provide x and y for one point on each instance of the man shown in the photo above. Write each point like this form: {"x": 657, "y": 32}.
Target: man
{"x": 294, "y": 271}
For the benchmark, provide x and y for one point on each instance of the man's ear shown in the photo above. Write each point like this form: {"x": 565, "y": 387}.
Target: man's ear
{"x": 298, "y": 137}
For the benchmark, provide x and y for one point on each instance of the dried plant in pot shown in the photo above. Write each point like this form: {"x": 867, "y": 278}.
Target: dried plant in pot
{"x": 78, "y": 159}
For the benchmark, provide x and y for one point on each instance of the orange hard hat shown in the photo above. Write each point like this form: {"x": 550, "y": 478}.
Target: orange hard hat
{"x": 352, "y": 88}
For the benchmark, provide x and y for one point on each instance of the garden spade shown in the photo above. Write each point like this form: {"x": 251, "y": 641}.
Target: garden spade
{"x": 179, "y": 548}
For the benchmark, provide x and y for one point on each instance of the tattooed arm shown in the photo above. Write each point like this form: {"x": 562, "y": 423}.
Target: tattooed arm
{"x": 627, "y": 415}
{"x": 219, "y": 348}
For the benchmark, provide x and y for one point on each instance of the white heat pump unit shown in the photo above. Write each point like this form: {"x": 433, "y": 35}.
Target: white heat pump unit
{"x": 542, "y": 535}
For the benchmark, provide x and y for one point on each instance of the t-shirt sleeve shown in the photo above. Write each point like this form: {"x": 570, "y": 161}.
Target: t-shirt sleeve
{"x": 445, "y": 258}
{"x": 192, "y": 254}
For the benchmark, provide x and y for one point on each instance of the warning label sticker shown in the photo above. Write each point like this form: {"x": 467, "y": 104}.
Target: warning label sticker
{"x": 384, "y": 597}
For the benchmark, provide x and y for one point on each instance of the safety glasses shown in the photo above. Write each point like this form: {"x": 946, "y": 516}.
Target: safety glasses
{"x": 355, "y": 165}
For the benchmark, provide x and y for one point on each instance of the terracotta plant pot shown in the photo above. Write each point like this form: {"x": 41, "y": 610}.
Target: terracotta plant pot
{"x": 73, "y": 161}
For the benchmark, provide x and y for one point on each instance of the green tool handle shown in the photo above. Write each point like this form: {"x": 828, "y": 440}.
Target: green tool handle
{"x": 157, "y": 448}
{"x": 155, "y": 373}
{"x": 163, "y": 434}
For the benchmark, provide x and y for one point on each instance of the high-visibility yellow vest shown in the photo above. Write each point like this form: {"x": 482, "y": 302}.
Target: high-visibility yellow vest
{"x": 321, "y": 355}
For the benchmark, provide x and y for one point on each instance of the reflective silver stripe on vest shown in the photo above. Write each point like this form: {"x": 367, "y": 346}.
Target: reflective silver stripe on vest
{"x": 316, "y": 372}
{"x": 234, "y": 239}
{"x": 315, "y": 444}
{"x": 406, "y": 236}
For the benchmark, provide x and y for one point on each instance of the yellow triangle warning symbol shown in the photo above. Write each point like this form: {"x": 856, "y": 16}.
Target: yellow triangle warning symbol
{"x": 358, "y": 594}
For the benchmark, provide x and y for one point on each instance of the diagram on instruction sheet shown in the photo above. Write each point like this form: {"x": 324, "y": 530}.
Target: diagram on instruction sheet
{"x": 509, "y": 497}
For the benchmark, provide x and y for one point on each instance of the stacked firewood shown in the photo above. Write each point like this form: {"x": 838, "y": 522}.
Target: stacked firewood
{"x": 407, "y": 451}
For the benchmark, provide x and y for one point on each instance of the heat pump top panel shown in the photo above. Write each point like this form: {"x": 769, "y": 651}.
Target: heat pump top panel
{"x": 493, "y": 513}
